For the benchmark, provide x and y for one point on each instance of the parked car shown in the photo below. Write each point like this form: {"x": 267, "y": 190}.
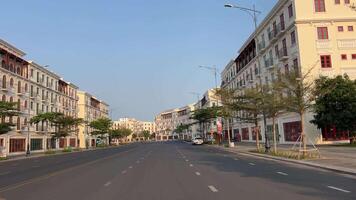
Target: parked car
{"x": 198, "y": 141}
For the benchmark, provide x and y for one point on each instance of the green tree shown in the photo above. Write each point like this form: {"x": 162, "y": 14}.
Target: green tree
{"x": 250, "y": 106}
{"x": 7, "y": 109}
{"x": 101, "y": 127}
{"x": 300, "y": 98}
{"x": 335, "y": 104}
{"x": 64, "y": 124}
{"x": 275, "y": 105}
{"x": 134, "y": 136}
{"x": 146, "y": 134}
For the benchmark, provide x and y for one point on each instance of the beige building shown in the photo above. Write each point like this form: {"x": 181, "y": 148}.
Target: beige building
{"x": 90, "y": 109}
{"x": 167, "y": 121}
{"x": 136, "y": 126}
{"x": 300, "y": 35}
{"x": 36, "y": 90}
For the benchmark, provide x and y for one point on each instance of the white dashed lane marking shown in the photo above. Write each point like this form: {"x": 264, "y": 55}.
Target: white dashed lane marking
{"x": 124, "y": 172}
{"x": 252, "y": 164}
{"x": 213, "y": 189}
{"x": 4, "y": 173}
{"x": 191, "y": 165}
{"x": 198, "y": 173}
{"x": 107, "y": 184}
{"x": 338, "y": 189}
{"x": 130, "y": 167}
{"x": 236, "y": 159}
{"x": 186, "y": 160}
{"x": 282, "y": 173}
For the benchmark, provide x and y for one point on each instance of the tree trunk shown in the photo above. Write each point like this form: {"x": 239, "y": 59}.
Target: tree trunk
{"x": 274, "y": 135}
{"x": 228, "y": 132}
{"x": 257, "y": 132}
{"x": 304, "y": 138}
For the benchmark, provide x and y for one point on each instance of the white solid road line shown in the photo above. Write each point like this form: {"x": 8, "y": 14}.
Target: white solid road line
{"x": 282, "y": 173}
{"x": 107, "y": 184}
{"x": 197, "y": 173}
{"x": 252, "y": 164}
{"x": 213, "y": 189}
{"x": 338, "y": 189}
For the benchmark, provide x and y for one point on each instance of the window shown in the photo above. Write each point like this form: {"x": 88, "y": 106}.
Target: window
{"x": 4, "y": 81}
{"x": 343, "y": 57}
{"x": 295, "y": 65}
{"x": 323, "y": 33}
{"x": 281, "y": 18}
{"x": 350, "y": 28}
{"x": 292, "y": 37}
{"x": 245, "y": 134}
{"x": 337, "y": 1}
{"x": 353, "y": 56}
{"x": 1, "y": 142}
{"x": 36, "y": 144}
{"x": 17, "y": 145}
{"x": 72, "y": 142}
{"x": 292, "y": 131}
{"x": 347, "y": 1}
{"x": 340, "y": 28}
{"x": 290, "y": 11}
{"x": 319, "y": 5}
{"x": 325, "y": 61}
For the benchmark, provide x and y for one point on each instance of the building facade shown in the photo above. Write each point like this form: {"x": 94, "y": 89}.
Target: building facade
{"x": 136, "y": 126}
{"x": 316, "y": 36}
{"x": 36, "y": 90}
{"x": 89, "y": 108}
{"x": 167, "y": 121}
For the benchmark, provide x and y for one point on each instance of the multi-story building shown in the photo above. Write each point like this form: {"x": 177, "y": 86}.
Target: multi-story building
{"x": 136, "y": 126}
{"x": 90, "y": 108}
{"x": 36, "y": 90}
{"x": 167, "y": 121}
{"x": 316, "y": 36}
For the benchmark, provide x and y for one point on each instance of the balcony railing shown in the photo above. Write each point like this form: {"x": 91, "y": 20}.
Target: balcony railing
{"x": 269, "y": 62}
{"x": 283, "y": 54}
{"x": 323, "y": 44}
{"x": 261, "y": 46}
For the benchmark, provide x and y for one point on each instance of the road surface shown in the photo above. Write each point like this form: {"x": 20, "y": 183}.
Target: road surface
{"x": 165, "y": 171}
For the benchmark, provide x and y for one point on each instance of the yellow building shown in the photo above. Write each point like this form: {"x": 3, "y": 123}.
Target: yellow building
{"x": 89, "y": 108}
{"x": 136, "y": 126}
{"x": 303, "y": 35}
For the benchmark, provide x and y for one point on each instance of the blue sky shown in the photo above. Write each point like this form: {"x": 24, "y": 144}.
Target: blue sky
{"x": 141, "y": 56}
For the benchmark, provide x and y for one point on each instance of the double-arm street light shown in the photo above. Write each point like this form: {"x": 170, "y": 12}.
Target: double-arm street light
{"x": 253, "y": 13}
{"x": 214, "y": 70}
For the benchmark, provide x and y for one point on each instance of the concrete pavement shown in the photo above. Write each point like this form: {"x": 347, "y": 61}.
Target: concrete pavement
{"x": 169, "y": 170}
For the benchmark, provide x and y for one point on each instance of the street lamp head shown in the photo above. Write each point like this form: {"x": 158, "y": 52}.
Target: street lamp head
{"x": 228, "y": 6}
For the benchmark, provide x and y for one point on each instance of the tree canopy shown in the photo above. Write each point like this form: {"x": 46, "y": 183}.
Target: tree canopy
{"x": 335, "y": 104}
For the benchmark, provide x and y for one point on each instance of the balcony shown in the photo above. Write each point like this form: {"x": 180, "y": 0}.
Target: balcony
{"x": 283, "y": 54}
{"x": 346, "y": 44}
{"x": 4, "y": 89}
{"x": 323, "y": 44}
{"x": 261, "y": 46}
{"x": 269, "y": 63}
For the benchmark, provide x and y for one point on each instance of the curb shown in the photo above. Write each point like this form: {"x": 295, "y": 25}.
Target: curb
{"x": 58, "y": 153}
{"x": 341, "y": 170}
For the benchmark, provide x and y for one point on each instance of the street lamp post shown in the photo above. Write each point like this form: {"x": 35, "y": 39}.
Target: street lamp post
{"x": 253, "y": 13}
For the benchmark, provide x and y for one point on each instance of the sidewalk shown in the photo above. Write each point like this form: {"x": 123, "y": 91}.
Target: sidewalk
{"x": 338, "y": 159}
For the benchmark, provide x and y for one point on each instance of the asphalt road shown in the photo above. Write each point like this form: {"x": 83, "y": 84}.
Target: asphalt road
{"x": 165, "y": 171}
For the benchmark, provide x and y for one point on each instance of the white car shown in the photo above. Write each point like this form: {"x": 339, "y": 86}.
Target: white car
{"x": 198, "y": 141}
